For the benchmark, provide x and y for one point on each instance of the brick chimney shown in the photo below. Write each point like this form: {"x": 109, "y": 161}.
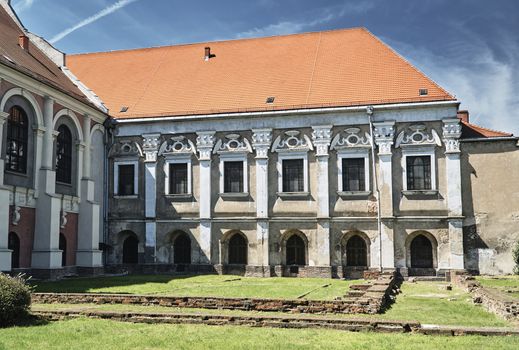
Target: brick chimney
{"x": 23, "y": 41}
{"x": 463, "y": 116}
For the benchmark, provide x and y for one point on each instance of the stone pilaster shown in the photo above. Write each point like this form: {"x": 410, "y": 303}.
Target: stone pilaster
{"x": 150, "y": 147}
{"x": 5, "y": 254}
{"x": 261, "y": 140}
{"x": 321, "y": 137}
{"x": 384, "y": 133}
{"x": 46, "y": 254}
{"x": 205, "y": 144}
{"x": 88, "y": 253}
{"x": 451, "y": 135}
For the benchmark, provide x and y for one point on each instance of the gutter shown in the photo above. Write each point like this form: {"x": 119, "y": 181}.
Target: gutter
{"x": 287, "y": 112}
{"x": 486, "y": 139}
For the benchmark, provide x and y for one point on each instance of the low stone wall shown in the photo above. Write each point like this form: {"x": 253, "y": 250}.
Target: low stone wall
{"x": 299, "y": 322}
{"x": 492, "y": 299}
{"x": 374, "y": 299}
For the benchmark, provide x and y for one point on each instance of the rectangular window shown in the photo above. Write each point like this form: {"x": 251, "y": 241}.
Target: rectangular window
{"x": 293, "y": 175}
{"x": 233, "y": 177}
{"x": 178, "y": 178}
{"x": 418, "y": 170}
{"x": 353, "y": 174}
{"x": 126, "y": 185}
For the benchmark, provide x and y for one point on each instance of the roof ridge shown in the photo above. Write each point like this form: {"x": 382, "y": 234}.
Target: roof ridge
{"x": 410, "y": 64}
{"x": 218, "y": 41}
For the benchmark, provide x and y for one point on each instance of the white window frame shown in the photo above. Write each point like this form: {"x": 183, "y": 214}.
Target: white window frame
{"x": 349, "y": 154}
{"x": 178, "y": 160}
{"x": 419, "y": 151}
{"x": 135, "y": 164}
{"x": 238, "y": 157}
{"x": 288, "y": 156}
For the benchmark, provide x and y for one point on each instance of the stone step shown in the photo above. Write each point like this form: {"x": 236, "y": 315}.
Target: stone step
{"x": 355, "y": 293}
{"x": 360, "y": 286}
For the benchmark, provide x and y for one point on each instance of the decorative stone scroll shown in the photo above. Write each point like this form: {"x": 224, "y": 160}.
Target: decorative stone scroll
{"x": 292, "y": 142}
{"x": 451, "y": 134}
{"x": 418, "y": 135}
{"x": 232, "y": 145}
{"x": 177, "y": 146}
{"x": 126, "y": 148}
{"x": 350, "y": 138}
{"x": 261, "y": 140}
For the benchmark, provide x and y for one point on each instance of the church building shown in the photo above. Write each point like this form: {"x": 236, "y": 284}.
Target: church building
{"x": 321, "y": 154}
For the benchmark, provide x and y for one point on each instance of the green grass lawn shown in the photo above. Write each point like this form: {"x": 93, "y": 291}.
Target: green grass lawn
{"x": 507, "y": 284}
{"x": 207, "y": 285}
{"x": 90, "y": 334}
{"x": 423, "y": 301}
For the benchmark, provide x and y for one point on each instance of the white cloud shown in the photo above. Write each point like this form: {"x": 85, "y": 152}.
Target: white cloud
{"x": 484, "y": 83}
{"x": 327, "y": 15}
{"x": 105, "y": 12}
{"x": 23, "y": 5}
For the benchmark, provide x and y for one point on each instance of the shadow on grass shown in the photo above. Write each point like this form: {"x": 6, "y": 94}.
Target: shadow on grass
{"x": 28, "y": 320}
{"x": 390, "y": 297}
{"x": 83, "y": 285}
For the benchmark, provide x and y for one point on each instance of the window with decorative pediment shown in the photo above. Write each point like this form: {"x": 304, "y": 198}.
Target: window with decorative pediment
{"x": 418, "y": 172}
{"x": 17, "y": 140}
{"x": 233, "y": 176}
{"x": 125, "y": 178}
{"x": 178, "y": 178}
{"x": 293, "y": 175}
{"x": 233, "y": 151}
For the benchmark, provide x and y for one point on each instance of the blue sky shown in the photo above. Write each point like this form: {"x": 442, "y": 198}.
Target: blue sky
{"x": 470, "y": 47}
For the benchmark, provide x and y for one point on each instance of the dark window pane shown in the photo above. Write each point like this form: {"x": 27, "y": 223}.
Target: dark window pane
{"x": 178, "y": 178}
{"x": 353, "y": 174}
{"x": 419, "y": 173}
{"x": 16, "y": 142}
{"x": 233, "y": 176}
{"x": 356, "y": 252}
{"x": 293, "y": 175}
{"x": 126, "y": 180}
{"x": 237, "y": 249}
{"x": 296, "y": 251}
{"x": 64, "y": 155}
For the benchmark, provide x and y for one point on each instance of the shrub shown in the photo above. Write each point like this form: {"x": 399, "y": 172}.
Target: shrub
{"x": 515, "y": 254}
{"x": 15, "y": 299}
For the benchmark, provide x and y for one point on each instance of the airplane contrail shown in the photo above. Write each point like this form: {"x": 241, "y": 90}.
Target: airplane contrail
{"x": 104, "y": 12}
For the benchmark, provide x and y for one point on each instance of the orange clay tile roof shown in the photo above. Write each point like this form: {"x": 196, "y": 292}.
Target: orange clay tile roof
{"x": 349, "y": 67}
{"x": 33, "y": 63}
{"x": 470, "y": 131}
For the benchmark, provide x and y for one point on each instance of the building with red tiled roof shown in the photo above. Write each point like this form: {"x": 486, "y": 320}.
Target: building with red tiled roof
{"x": 320, "y": 154}
{"x": 51, "y": 158}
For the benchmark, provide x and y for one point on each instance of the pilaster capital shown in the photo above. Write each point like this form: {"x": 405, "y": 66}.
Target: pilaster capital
{"x": 451, "y": 135}
{"x": 55, "y": 134}
{"x": 322, "y": 137}
{"x": 38, "y": 130}
{"x": 3, "y": 117}
{"x": 205, "y": 144}
{"x": 261, "y": 140}
{"x": 150, "y": 146}
{"x": 80, "y": 146}
{"x": 384, "y": 134}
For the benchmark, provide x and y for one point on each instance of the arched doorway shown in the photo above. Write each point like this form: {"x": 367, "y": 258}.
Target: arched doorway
{"x": 14, "y": 245}
{"x": 422, "y": 253}
{"x": 182, "y": 249}
{"x": 131, "y": 250}
{"x": 356, "y": 252}
{"x": 237, "y": 249}
{"x": 63, "y": 248}
{"x": 295, "y": 251}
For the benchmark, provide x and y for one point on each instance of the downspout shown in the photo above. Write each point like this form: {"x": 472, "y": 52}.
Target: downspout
{"x": 369, "y": 112}
{"x": 108, "y": 141}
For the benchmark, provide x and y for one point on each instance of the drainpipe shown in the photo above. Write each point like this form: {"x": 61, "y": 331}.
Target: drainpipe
{"x": 108, "y": 142}
{"x": 369, "y": 112}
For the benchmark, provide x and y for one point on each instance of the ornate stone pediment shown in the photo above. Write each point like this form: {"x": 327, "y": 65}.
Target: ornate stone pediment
{"x": 177, "y": 146}
{"x": 125, "y": 148}
{"x": 417, "y": 135}
{"x": 292, "y": 142}
{"x": 233, "y": 145}
{"x": 351, "y": 137}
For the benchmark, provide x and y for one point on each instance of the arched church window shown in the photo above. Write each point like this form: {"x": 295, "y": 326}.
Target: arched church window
{"x": 64, "y": 155}
{"x": 16, "y": 141}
